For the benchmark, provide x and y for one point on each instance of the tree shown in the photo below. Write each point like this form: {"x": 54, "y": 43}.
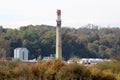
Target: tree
{"x": 73, "y": 72}
{"x": 22, "y": 71}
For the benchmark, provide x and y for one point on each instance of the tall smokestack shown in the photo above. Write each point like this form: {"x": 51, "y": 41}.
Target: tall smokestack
{"x": 58, "y": 36}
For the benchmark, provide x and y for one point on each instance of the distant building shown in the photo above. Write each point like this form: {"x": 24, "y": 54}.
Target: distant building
{"x": 48, "y": 58}
{"x": 87, "y": 61}
{"x": 21, "y": 53}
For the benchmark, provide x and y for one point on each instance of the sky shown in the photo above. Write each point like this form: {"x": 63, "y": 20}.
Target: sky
{"x": 75, "y": 13}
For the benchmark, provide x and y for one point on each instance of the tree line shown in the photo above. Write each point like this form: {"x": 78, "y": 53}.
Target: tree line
{"x": 58, "y": 70}
{"x": 82, "y": 42}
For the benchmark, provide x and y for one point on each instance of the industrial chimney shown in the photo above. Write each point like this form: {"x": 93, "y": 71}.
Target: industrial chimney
{"x": 58, "y": 36}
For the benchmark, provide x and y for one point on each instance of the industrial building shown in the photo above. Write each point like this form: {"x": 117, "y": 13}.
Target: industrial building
{"x": 21, "y": 53}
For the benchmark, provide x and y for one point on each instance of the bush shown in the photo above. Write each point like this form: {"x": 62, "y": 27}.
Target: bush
{"x": 73, "y": 72}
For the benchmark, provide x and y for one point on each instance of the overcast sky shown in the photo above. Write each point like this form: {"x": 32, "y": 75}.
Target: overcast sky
{"x": 75, "y": 13}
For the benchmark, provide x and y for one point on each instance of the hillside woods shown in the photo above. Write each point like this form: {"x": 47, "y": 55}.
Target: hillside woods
{"x": 81, "y": 42}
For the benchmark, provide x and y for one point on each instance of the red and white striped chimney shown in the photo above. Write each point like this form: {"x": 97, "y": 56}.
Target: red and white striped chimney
{"x": 58, "y": 18}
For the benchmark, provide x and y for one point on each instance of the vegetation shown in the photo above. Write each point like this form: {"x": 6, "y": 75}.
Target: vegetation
{"x": 58, "y": 70}
{"x": 81, "y": 42}
{"x": 40, "y": 41}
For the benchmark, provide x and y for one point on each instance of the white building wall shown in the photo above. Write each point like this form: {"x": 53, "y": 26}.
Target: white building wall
{"x": 15, "y": 53}
{"x": 21, "y": 53}
{"x": 25, "y": 54}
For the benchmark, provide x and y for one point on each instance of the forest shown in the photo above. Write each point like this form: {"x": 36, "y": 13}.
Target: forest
{"x": 84, "y": 42}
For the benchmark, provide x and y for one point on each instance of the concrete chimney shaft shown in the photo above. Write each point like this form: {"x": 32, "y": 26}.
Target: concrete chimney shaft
{"x": 58, "y": 36}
